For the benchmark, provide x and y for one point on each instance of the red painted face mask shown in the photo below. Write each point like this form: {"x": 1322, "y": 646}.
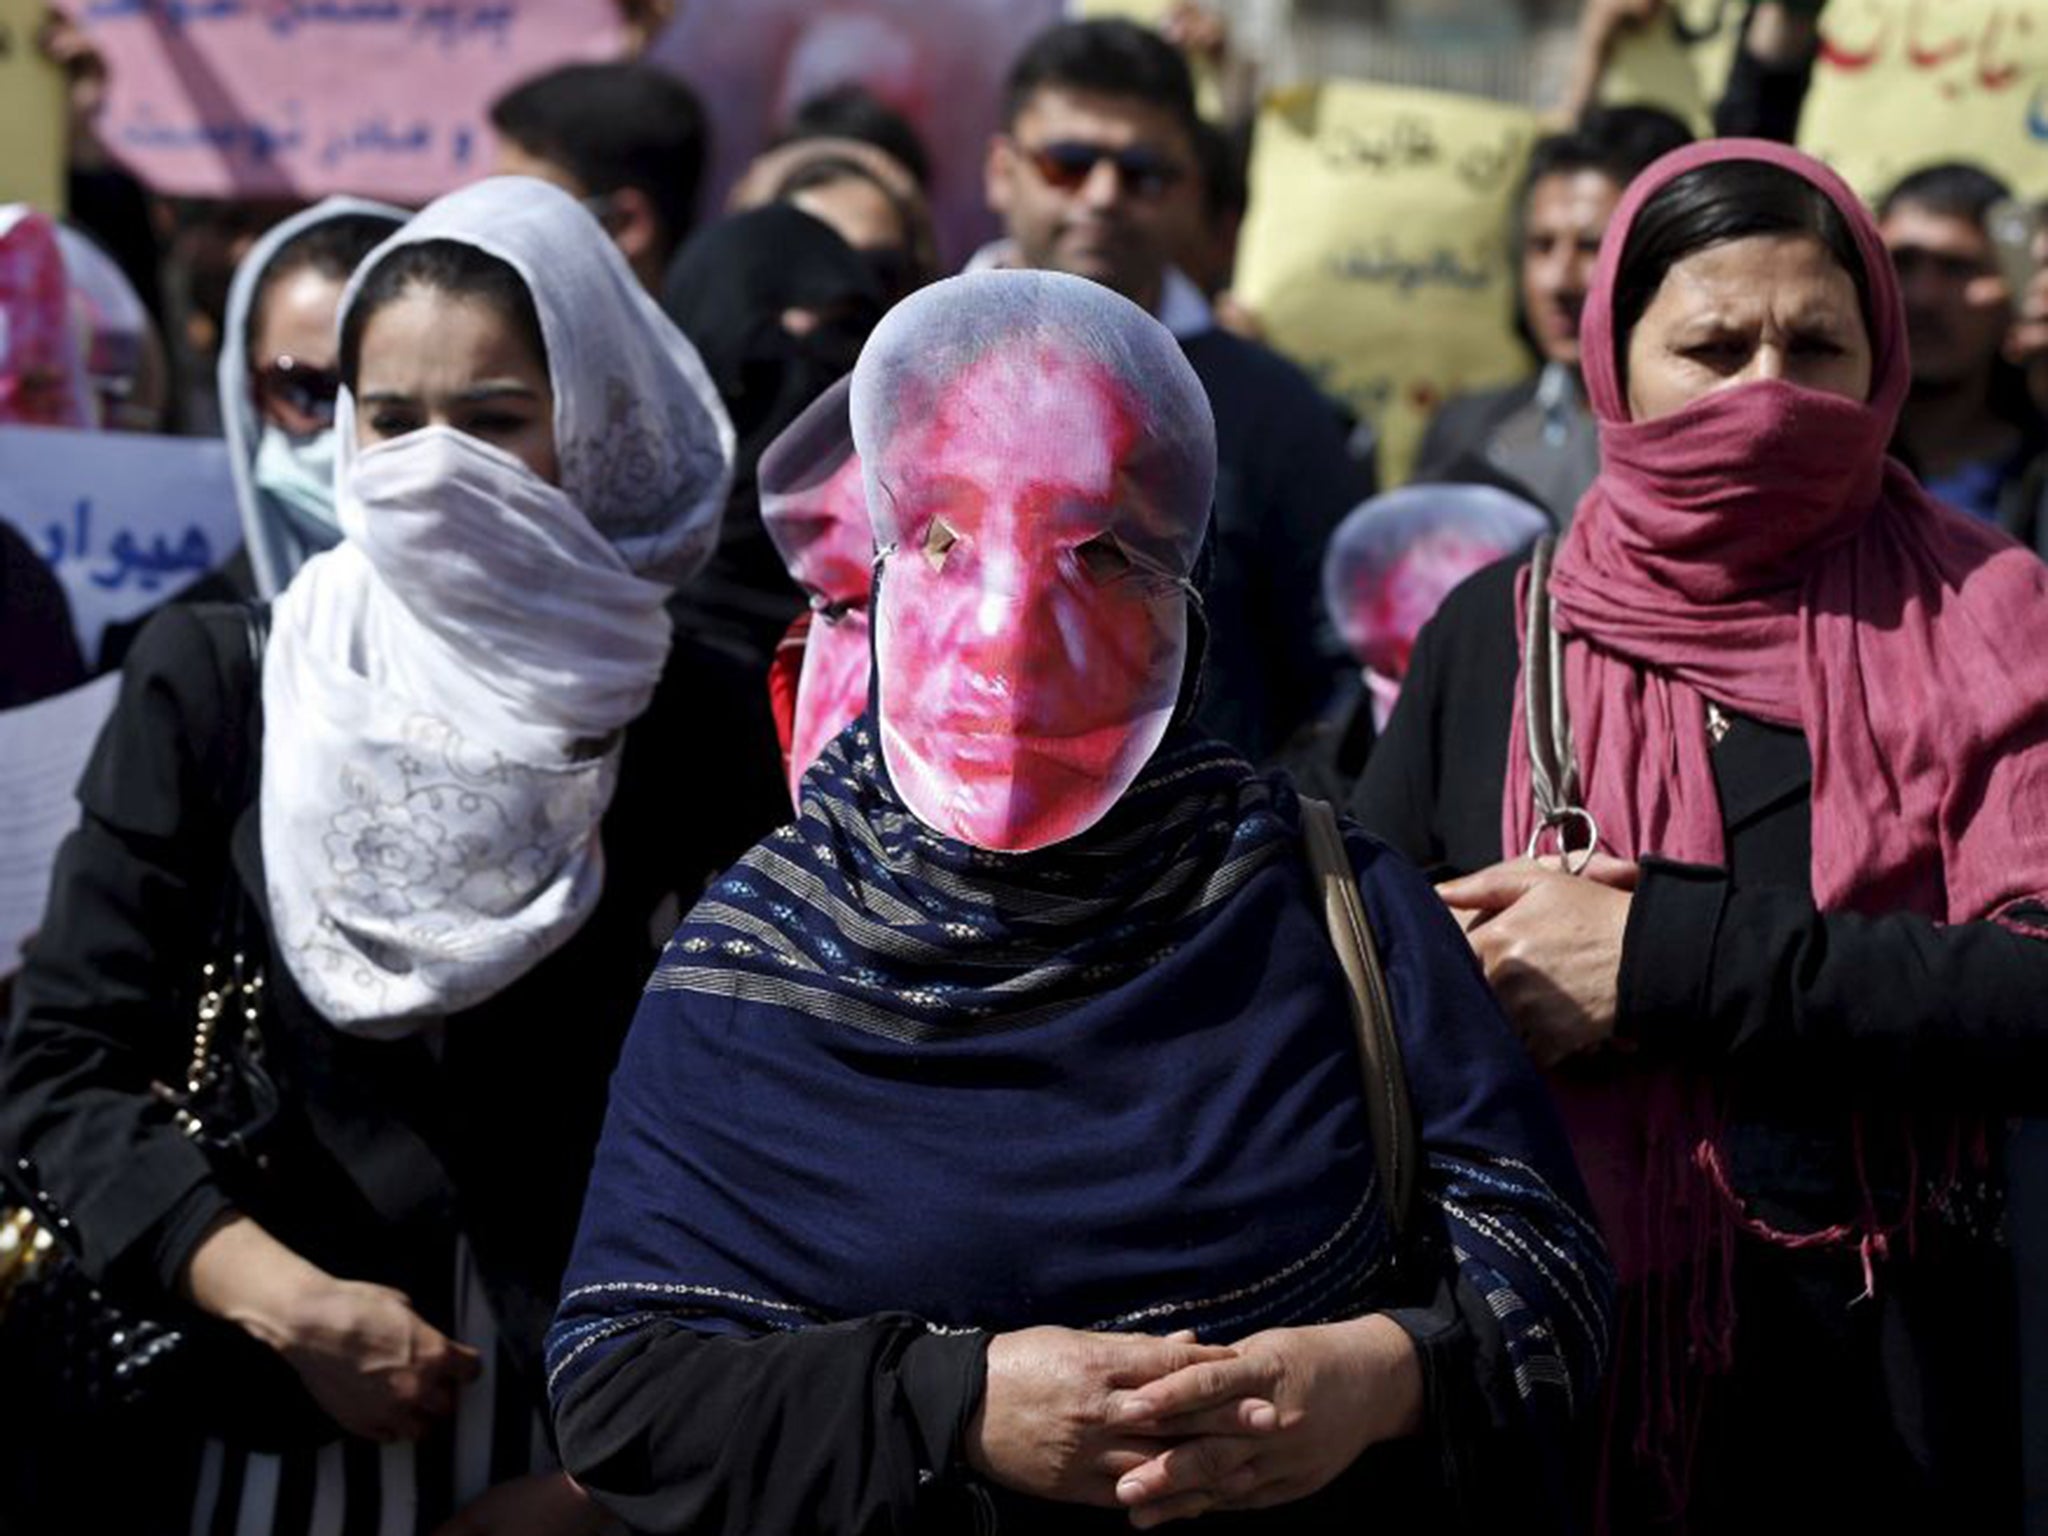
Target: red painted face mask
{"x": 42, "y": 362}
{"x": 815, "y": 508}
{"x": 1039, "y": 494}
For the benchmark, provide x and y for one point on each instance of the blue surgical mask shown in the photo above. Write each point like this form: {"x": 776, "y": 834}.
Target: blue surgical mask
{"x": 295, "y": 476}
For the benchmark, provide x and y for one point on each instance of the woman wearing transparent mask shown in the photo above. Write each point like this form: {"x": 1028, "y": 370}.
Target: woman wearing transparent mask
{"x": 279, "y": 379}
{"x": 990, "y": 1143}
{"x": 1783, "y": 719}
{"x": 459, "y": 843}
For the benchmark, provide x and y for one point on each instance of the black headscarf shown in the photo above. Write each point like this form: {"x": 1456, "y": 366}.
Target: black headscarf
{"x": 728, "y": 289}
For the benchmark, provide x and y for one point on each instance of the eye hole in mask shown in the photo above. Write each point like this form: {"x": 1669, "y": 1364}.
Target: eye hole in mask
{"x": 938, "y": 540}
{"x": 1102, "y": 558}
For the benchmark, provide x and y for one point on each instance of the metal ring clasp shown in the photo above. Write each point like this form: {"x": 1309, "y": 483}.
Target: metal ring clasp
{"x": 1575, "y": 860}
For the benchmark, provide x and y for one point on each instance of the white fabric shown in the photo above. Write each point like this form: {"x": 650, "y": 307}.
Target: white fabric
{"x": 278, "y": 541}
{"x": 1182, "y": 309}
{"x": 444, "y": 691}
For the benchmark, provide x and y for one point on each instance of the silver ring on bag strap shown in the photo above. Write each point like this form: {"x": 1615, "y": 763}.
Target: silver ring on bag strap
{"x": 1553, "y": 758}
{"x": 1395, "y": 1146}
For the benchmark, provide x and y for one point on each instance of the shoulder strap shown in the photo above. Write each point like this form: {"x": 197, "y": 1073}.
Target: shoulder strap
{"x": 1553, "y": 754}
{"x": 1394, "y": 1141}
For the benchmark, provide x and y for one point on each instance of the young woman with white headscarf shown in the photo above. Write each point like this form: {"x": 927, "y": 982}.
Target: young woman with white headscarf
{"x": 486, "y": 781}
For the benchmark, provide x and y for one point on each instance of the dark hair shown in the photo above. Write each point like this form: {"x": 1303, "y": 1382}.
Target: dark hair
{"x": 1617, "y": 142}
{"x": 333, "y": 248}
{"x": 1221, "y": 160}
{"x": 1952, "y": 189}
{"x": 446, "y": 266}
{"x": 910, "y": 265}
{"x": 1713, "y": 204}
{"x": 855, "y": 112}
{"x": 1112, "y": 57}
{"x": 613, "y": 126}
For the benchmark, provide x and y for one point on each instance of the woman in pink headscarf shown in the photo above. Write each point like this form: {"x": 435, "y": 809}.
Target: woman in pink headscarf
{"x": 1793, "y": 756}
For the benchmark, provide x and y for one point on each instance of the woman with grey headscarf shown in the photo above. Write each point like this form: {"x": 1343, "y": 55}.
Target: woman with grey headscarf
{"x": 279, "y": 379}
{"x": 475, "y": 808}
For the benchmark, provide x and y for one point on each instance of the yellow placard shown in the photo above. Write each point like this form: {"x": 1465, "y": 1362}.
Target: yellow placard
{"x": 1678, "y": 60}
{"x": 1376, "y": 248}
{"x": 1903, "y": 84}
{"x": 31, "y": 111}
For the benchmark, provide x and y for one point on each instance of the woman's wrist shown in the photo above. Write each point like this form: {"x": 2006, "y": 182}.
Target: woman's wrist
{"x": 1389, "y": 1375}
{"x": 241, "y": 1274}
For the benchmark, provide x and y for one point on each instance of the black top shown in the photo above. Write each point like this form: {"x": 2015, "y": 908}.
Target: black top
{"x": 386, "y": 1148}
{"x": 38, "y": 647}
{"x": 1831, "y": 1034}
{"x": 1283, "y": 483}
{"x": 1735, "y": 965}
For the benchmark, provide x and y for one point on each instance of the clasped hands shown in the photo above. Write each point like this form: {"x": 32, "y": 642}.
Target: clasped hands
{"x": 1550, "y": 945}
{"x": 1168, "y": 1428}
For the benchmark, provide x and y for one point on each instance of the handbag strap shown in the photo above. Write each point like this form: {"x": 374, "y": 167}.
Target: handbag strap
{"x": 1392, "y": 1119}
{"x": 1553, "y": 755}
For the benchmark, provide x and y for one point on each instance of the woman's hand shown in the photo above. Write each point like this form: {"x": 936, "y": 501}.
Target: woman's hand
{"x": 1550, "y": 944}
{"x": 545, "y": 1504}
{"x": 1291, "y": 1411}
{"x": 372, "y": 1363}
{"x": 1049, "y": 1422}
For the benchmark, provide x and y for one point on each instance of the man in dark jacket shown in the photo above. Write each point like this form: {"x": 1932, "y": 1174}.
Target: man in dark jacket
{"x": 1095, "y": 173}
{"x": 1536, "y": 438}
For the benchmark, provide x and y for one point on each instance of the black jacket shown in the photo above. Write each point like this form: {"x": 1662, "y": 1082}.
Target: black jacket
{"x": 1896, "y": 1411}
{"x": 386, "y": 1150}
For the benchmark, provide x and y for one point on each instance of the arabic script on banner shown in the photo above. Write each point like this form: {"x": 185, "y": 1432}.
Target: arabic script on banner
{"x": 299, "y": 98}
{"x": 125, "y": 520}
{"x": 1375, "y": 252}
{"x": 1905, "y": 83}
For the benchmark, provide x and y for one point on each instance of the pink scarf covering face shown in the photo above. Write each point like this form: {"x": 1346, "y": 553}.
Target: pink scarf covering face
{"x": 1758, "y": 549}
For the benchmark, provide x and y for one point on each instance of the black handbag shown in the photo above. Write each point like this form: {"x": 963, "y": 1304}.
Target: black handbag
{"x": 88, "y": 1349}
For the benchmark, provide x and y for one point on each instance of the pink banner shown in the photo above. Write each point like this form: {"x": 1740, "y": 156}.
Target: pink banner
{"x": 300, "y": 98}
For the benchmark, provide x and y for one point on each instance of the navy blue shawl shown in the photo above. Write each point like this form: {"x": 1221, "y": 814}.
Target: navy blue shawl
{"x": 1109, "y": 1085}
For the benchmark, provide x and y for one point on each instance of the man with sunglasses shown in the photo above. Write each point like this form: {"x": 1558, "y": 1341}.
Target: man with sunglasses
{"x": 1096, "y": 173}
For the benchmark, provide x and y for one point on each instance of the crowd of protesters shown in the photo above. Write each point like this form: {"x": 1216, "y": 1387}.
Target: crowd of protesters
{"x": 752, "y": 830}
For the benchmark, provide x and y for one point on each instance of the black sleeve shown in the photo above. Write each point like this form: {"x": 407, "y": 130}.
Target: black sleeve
{"x": 1762, "y": 101}
{"x": 1759, "y": 978}
{"x": 1432, "y": 788}
{"x": 104, "y": 1002}
{"x": 1314, "y": 483}
{"x": 1395, "y": 798}
{"x": 39, "y": 653}
{"x": 849, "y": 1429}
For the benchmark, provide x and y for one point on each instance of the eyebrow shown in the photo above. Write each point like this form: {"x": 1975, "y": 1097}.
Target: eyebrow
{"x": 494, "y": 389}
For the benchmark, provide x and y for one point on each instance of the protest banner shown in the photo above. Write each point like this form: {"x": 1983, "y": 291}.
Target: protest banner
{"x": 43, "y": 751}
{"x": 31, "y": 111}
{"x": 1376, "y": 249}
{"x": 1903, "y": 84}
{"x": 1678, "y": 60}
{"x": 300, "y": 98}
{"x": 1899, "y": 84}
{"x": 126, "y": 520}
{"x": 753, "y": 62}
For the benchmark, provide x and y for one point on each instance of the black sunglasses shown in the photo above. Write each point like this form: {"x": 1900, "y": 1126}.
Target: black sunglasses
{"x": 299, "y": 388}
{"x": 1067, "y": 163}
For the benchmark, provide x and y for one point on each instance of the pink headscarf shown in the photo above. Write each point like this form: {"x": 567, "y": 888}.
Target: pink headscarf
{"x": 42, "y": 360}
{"x": 1759, "y": 549}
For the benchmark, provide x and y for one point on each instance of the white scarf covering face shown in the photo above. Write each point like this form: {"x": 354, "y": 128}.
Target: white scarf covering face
{"x": 444, "y": 692}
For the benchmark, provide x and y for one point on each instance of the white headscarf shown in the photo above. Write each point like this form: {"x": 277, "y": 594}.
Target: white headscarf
{"x": 445, "y": 690}
{"x": 280, "y": 536}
